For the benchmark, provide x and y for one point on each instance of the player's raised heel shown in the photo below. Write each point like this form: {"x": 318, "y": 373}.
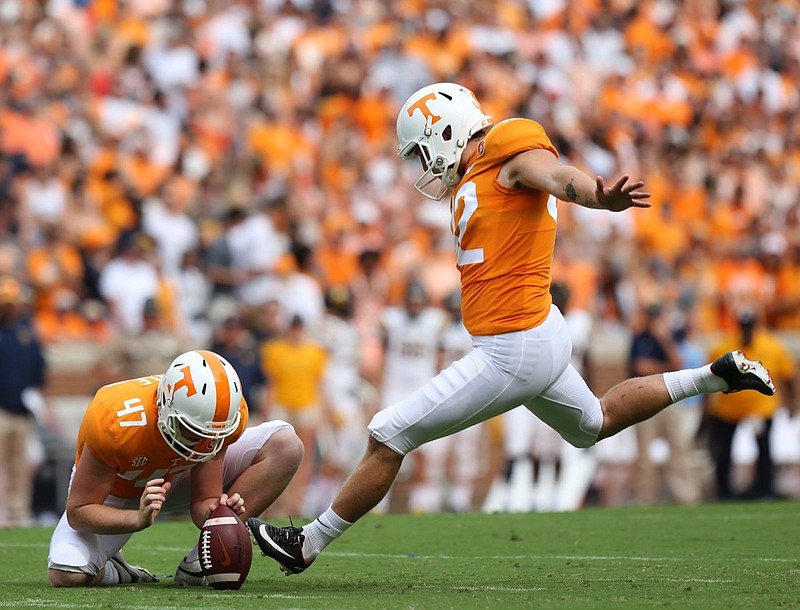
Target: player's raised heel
{"x": 283, "y": 544}
{"x": 742, "y": 373}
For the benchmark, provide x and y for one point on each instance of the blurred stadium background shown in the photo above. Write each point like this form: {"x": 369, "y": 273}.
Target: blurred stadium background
{"x": 189, "y": 174}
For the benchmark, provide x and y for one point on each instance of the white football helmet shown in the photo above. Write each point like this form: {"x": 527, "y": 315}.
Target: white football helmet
{"x": 199, "y": 400}
{"x": 435, "y": 123}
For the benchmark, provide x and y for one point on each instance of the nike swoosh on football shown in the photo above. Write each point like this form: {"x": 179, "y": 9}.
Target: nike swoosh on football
{"x": 227, "y": 561}
{"x": 263, "y": 530}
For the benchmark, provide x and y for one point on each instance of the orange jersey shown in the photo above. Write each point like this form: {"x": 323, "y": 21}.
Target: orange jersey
{"x": 505, "y": 237}
{"x": 119, "y": 427}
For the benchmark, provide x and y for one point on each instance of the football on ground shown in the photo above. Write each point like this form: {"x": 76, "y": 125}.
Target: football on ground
{"x": 225, "y": 549}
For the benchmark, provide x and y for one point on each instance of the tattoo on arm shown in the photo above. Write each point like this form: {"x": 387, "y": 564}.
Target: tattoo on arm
{"x": 572, "y": 194}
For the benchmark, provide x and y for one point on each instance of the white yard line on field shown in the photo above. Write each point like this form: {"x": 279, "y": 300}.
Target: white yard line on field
{"x": 172, "y": 549}
{"x": 545, "y": 557}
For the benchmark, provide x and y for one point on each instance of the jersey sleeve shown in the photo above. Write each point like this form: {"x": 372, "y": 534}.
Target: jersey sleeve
{"x": 98, "y": 433}
{"x": 513, "y": 136}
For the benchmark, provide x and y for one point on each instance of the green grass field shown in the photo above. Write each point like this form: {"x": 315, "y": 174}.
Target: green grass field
{"x": 715, "y": 556}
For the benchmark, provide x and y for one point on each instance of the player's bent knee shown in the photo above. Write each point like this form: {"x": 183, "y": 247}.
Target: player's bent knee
{"x": 384, "y": 451}
{"x": 61, "y": 579}
{"x": 285, "y": 447}
{"x": 582, "y": 440}
{"x": 581, "y": 443}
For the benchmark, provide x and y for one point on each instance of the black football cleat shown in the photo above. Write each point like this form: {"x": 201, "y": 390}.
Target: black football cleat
{"x": 743, "y": 374}
{"x": 283, "y": 544}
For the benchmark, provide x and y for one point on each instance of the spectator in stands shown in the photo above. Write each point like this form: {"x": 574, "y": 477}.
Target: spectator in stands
{"x": 300, "y": 291}
{"x": 193, "y": 297}
{"x": 302, "y": 106}
{"x": 138, "y": 355}
{"x": 654, "y": 349}
{"x": 128, "y": 281}
{"x": 234, "y": 341}
{"x": 43, "y": 200}
{"x": 173, "y": 230}
{"x": 55, "y": 268}
{"x": 218, "y": 258}
{"x": 22, "y": 379}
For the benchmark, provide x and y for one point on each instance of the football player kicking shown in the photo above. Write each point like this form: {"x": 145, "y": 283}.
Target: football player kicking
{"x": 172, "y": 442}
{"x": 505, "y": 180}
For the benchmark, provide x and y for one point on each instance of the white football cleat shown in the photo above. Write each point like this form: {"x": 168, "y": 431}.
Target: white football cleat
{"x": 130, "y": 573}
{"x": 189, "y": 574}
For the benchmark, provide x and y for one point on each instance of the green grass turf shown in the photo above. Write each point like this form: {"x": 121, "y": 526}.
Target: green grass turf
{"x": 714, "y": 556}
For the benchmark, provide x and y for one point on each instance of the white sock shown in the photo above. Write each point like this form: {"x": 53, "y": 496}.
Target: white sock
{"x": 321, "y": 532}
{"x": 691, "y": 382}
{"x": 192, "y": 555}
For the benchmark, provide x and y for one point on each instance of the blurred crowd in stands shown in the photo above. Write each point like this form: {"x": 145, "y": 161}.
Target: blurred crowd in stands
{"x": 223, "y": 173}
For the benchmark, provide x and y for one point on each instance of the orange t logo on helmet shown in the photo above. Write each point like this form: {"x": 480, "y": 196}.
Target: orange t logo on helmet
{"x": 185, "y": 381}
{"x": 422, "y": 106}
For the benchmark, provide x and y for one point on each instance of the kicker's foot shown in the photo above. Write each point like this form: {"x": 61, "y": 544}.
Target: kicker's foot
{"x": 741, "y": 373}
{"x": 283, "y": 544}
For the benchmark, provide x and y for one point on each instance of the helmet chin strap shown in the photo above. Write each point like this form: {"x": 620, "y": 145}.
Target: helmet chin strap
{"x": 461, "y": 144}
{"x": 428, "y": 131}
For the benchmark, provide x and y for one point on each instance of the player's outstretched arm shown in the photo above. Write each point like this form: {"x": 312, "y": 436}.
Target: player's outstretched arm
{"x": 539, "y": 169}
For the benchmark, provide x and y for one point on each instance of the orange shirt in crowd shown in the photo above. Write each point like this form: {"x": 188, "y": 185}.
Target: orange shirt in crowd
{"x": 52, "y": 269}
{"x": 295, "y": 372}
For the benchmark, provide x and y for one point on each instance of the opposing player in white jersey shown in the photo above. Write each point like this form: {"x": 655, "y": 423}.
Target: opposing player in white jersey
{"x": 411, "y": 344}
{"x": 543, "y": 471}
{"x": 411, "y": 348}
{"x": 342, "y": 439}
{"x": 463, "y": 454}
